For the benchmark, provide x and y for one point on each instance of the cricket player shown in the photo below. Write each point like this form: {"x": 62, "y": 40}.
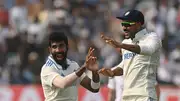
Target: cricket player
{"x": 59, "y": 74}
{"x": 141, "y": 57}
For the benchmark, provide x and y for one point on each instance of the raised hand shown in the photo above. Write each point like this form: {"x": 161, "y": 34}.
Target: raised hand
{"x": 106, "y": 72}
{"x": 91, "y": 60}
{"x": 110, "y": 41}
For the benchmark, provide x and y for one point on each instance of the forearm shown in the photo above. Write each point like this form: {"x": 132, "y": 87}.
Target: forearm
{"x": 95, "y": 77}
{"x": 95, "y": 82}
{"x": 117, "y": 71}
{"x": 130, "y": 47}
{"x": 63, "y": 82}
{"x": 111, "y": 95}
{"x": 158, "y": 91}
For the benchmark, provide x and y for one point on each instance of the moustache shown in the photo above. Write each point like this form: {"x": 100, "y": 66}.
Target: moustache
{"x": 125, "y": 30}
{"x": 62, "y": 53}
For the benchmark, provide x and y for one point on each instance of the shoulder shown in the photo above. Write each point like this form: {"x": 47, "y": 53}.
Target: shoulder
{"x": 49, "y": 66}
{"x": 153, "y": 35}
{"x": 49, "y": 63}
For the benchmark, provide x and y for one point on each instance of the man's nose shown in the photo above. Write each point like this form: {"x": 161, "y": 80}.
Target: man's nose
{"x": 59, "y": 49}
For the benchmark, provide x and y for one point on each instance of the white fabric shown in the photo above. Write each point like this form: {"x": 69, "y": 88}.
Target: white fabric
{"x": 95, "y": 85}
{"x": 139, "y": 70}
{"x": 116, "y": 83}
{"x": 49, "y": 71}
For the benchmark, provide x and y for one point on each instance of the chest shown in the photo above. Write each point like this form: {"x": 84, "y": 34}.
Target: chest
{"x": 66, "y": 72}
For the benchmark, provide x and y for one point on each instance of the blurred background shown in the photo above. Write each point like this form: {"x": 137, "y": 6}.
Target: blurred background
{"x": 24, "y": 27}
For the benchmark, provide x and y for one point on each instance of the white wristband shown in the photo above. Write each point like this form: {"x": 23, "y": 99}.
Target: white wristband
{"x": 95, "y": 85}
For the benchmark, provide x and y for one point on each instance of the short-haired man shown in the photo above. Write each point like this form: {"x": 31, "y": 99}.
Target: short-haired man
{"x": 59, "y": 74}
{"x": 141, "y": 57}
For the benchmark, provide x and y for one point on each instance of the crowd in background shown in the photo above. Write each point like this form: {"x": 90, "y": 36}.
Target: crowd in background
{"x": 25, "y": 25}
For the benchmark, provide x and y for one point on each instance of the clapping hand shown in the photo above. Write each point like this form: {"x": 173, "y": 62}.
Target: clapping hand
{"x": 106, "y": 72}
{"x": 91, "y": 60}
{"x": 110, "y": 41}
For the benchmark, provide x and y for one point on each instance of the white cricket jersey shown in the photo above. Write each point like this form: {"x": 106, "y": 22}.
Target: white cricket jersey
{"x": 48, "y": 72}
{"x": 116, "y": 83}
{"x": 139, "y": 70}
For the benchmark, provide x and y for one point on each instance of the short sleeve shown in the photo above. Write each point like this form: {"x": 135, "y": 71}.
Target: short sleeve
{"x": 152, "y": 44}
{"x": 47, "y": 75}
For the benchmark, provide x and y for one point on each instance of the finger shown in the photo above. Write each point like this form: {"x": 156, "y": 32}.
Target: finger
{"x": 88, "y": 60}
{"x": 101, "y": 70}
{"x": 90, "y": 52}
{"x": 104, "y": 37}
{"x": 89, "y": 49}
{"x": 94, "y": 59}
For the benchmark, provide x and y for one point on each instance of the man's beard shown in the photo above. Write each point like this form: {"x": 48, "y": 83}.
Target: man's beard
{"x": 62, "y": 62}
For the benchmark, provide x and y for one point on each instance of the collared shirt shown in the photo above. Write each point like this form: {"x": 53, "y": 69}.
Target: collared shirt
{"x": 139, "y": 70}
{"x": 48, "y": 72}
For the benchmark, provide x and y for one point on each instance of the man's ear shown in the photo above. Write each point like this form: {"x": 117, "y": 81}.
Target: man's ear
{"x": 49, "y": 49}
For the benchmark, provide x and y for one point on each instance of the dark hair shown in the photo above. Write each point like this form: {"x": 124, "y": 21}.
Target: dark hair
{"x": 57, "y": 37}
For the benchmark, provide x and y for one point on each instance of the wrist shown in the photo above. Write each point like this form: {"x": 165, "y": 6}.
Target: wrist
{"x": 95, "y": 77}
{"x": 113, "y": 72}
{"x": 80, "y": 71}
{"x": 119, "y": 45}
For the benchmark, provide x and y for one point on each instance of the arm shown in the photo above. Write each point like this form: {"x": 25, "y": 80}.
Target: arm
{"x": 92, "y": 85}
{"x": 147, "y": 48}
{"x": 63, "y": 82}
{"x": 111, "y": 94}
{"x": 115, "y": 71}
{"x": 130, "y": 47}
{"x": 158, "y": 91}
{"x": 111, "y": 73}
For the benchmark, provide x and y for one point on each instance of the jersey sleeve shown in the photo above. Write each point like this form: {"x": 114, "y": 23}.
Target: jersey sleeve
{"x": 47, "y": 75}
{"x": 152, "y": 44}
{"x": 111, "y": 83}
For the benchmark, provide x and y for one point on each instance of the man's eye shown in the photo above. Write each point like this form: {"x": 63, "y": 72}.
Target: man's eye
{"x": 54, "y": 46}
{"x": 61, "y": 45}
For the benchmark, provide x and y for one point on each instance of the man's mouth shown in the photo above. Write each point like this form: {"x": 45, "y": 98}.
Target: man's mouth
{"x": 126, "y": 32}
{"x": 59, "y": 56}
